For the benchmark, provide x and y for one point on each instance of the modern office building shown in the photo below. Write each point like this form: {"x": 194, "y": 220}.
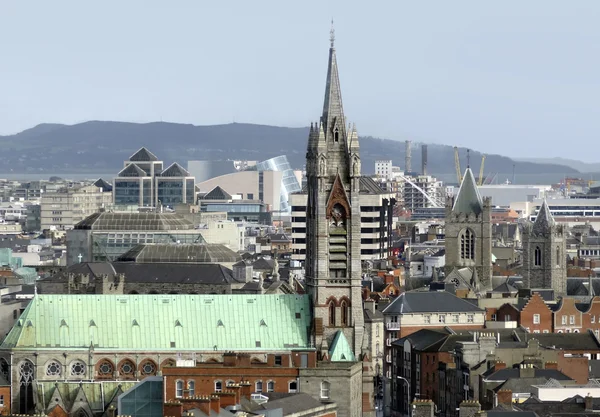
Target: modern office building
{"x": 205, "y": 170}
{"x": 237, "y": 208}
{"x": 63, "y": 210}
{"x": 414, "y": 197}
{"x": 290, "y": 183}
{"x": 144, "y": 183}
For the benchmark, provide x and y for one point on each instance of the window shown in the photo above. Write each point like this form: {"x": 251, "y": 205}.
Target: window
{"x": 572, "y": 320}
{"x": 442, "y": 318}
{"x": 470, "y": 318}
{"x": 593, "y": 318}
{"x": 148, "y": 368}
{"x": 336, "y": 135}
{"x": 270, "y": 386}
{"x": 218, "y": 386}
{"x": 377, "y": 348}
{"x": 293, "y": 387}
{"x": 106, "y": 368}
{"x": 77, "y": 368}
{"x": 427, "y": 319}
{"x": 127, "y": 368}
{"x": 564, "y": 320}
{"x": 557, "y": 256}
{"x": 507, "y": 317}
{"x": 331, "y": 313}
{"x": 277, "y": 360}
{"x": 455, "y": 318}
{"x": 1, "y": 400}
{"x": 325, "y": 390}
{"x": 191, "y": 388}
{"x": 536, "y": 319}
{"x": 467, "y": 244}
{"x": 546, "y": 331}
{"x": 258, "y": 387}
{"x": 494, "y": 317}
{"x": 536, "y": 331}
{"x": 597, "y": 333}
{"x": 537, "y": 256}
{"x": 344, "y": 308}
{"x": 53, "y": 369}
{"x": 178, "y": 389}
{"x": 376, "y": 331}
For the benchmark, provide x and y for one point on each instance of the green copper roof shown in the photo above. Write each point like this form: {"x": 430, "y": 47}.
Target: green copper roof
{"x": 468, "y": 199}
{"x": 163, "y": 322}
{"x": 340, "y": 350}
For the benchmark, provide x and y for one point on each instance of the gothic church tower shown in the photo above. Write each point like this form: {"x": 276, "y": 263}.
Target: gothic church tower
{"x": 544, "y": 253}
{"x": 333, "y": 264}
{"x": 469, "y": 233}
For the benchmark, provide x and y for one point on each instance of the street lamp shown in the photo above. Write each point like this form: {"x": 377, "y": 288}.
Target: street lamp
{"x": 407, "y": 391}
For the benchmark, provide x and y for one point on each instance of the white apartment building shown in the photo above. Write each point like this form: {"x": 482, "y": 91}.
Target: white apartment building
{"x": 64, "y": 209}
{"x": 383, "y": 169}
{"x": 415, "y": 199}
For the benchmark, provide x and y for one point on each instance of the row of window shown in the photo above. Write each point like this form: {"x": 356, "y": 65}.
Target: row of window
{"x": 258, "y": 387}
{"x": 455, "y": 318}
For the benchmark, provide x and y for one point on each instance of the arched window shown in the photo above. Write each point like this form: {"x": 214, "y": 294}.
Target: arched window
{"x": 376, "y": 331}
{"x": 467, "y": 244}
{"x": 218, "y": 386}
{"x": 77, "y": 368}
{"x": 258, "y": 387}
{"x": 336, "y": 135}
{"x": 148, "y": 368}
{"x": 377, "y": 348}
{"x": 344, "y": 311}
{"x": 537, "y": 255}
{"x": 331, "y": 313}
{"x": 5, "y": 369}
{"x": 325, "y": 390}
{"x": 127, "y": 369}
{"x": 557, "y": 256}
{"x": 179, "y": 389}
{"x": 191, "y": 388}
{"x": 53, "y": 369}
{"x": 229, "y": 383}
{"x": 105, "y": 369}
{"x": 270, "y": 386}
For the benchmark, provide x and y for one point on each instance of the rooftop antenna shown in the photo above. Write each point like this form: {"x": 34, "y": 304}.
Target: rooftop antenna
{"x": 332, "y": 34}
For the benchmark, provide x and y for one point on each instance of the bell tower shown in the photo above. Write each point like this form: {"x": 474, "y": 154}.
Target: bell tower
{"x": 333, "y": 264}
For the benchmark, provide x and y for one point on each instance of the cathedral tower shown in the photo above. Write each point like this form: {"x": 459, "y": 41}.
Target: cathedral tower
{"x": 333, "y": 264}
{"x": 469, "y": 233}
{"x": 544, "y": 253}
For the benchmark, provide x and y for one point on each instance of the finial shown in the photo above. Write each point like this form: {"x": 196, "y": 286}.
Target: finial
{"x": 468, "y": 159}
{"x": 332, "y": 34}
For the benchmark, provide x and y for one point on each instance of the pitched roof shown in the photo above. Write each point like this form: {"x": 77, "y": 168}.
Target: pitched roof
{"x": 340, "y": 350}
{"x": 163, "y": 322}
{"x": 468, "y": 200}
{"x": 513, "y": 373}
{"x": 143, "y": 155}
{"x": 135, "y": 221}
{"x": 544, "y": 220}
{"x": 175, "y": 170}
{"x": 179, "y": 253}
{"x": 429, "y": 302}
{"x": 217, "y": 193}
{"x": 290, "y": 404}
{"x": 100, "y": 183}
{"x": 132, "y": 170}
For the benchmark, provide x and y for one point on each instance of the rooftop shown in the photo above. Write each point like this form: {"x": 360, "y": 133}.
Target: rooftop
{"x": 180, "y": 253}
{"x": 134, "y": 221}
{"x": 429, "y": 302}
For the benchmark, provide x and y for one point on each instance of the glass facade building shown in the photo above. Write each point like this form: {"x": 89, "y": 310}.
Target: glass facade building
{"x": 145, "y": 399}
{"x": 289, "y": 182}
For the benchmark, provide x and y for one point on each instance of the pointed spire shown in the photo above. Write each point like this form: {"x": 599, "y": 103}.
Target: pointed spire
{"x": 332, "y": 35}
{"x": 544, "y": 220}
{"x": 468, "y": 200}
{"x": 333, "y": 111}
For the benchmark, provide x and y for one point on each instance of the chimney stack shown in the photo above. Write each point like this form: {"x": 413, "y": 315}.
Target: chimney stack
{"x": 424, "y": 159}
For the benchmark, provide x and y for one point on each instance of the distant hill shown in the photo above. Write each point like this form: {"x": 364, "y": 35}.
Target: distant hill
{"x": 97, "y": 146}
{"x": 583, "y": 167}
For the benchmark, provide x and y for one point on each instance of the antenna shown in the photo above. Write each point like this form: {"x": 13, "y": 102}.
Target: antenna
{"x": 468, "y": 158}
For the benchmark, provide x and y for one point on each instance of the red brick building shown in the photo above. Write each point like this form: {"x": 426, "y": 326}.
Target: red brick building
{"x": 567, "y": 318}
{"x": 4, "y": 399}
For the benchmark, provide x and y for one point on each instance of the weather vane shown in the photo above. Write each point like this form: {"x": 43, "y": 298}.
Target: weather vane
{"x": 332, "y": 34}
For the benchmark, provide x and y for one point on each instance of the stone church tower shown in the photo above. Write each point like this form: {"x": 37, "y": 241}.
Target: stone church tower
{"x": 469, "y": 233}
{"x": 333, "y": 264}
{"x": 544, "y": 253}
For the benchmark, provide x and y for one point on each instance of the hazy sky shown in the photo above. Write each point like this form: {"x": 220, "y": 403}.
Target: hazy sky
{"x": 519, "y": 78}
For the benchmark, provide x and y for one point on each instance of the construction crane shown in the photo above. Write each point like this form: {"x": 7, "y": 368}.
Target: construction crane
{"x": 457, "y": 165}
{"x": 480, "y": 180}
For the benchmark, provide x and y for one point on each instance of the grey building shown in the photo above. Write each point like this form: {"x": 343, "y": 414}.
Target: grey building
{"x": 468, "y": 237}
{"x": 544, "y": 253}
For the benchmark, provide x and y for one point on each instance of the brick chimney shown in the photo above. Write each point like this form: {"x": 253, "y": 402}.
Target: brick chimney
{"x": 526, "y": 371}
{"x": 589, "y": 403}
{"x": 551, "y": 365}
{"x": 504, "y": 396}
{"x": 229, "y": 359}
{"x": 172, "y": 408}
{"x": 499, "y": 365}
{"x": 469, "y": 408}
{"x": 215, "y": 403}
{"x": 243, "y": 360}
{"x": 228, "y": 398}
{"x": 246, "y": 390}
{"x": 369, "y": 304}
{"x": 204, "y": 404}
{"x": 422, "y": 408}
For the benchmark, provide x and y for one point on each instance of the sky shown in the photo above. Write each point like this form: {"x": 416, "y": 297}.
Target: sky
{"x": 516, "y": 78}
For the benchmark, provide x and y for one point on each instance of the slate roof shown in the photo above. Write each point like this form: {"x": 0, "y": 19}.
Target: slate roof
{"x": 513, "y": 373}
{"x": 568, "y": 341}
{"x": 134, "y": 221}
{"x": 143, "y": 155}
{"x": 544, "y": 220}
{"x": 290, "y": 404}
{"x": 279, "y": 237}
{"x": 468, "y": 200}
{"x": 217, "y": 193}
{"x": 429, "y": 302}
{"x": 505, "y": 288}
{"x": 132, "y": 170}
{"x": 369, "y": 186}
{"x": 103, "y": 184}
{"x": 262, "y": 264}
{"x": 163, "y": 322}
{"x": 175, "y": 170}
{"x": 179, "y": 253}
{"x": 423, "y": 338}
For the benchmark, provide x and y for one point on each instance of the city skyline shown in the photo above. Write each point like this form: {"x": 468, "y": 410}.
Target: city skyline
{"x": 504, "y": 80}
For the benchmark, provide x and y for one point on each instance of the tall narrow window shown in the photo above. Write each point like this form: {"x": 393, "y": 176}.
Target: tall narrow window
{"x": 557, "y": 256}
{"x": 344, "y": 308}
{"x": 179, "y": 389}
{"x": 467, "y": 244}
{"x": 331, "y": 313}
{"x": 325, "y": 390}
{"x": 336, "y": 135}
{"x": 537, "y": 256}
{"x": 259, "y": 387}
{"x": 191, "y": 388}
{"x": 218, "y": 386}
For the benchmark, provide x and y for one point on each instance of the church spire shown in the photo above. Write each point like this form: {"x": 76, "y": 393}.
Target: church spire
{"x": 468, "y": 199}
{"x": 544, "y": 220}
{"x": 333, "y": 111}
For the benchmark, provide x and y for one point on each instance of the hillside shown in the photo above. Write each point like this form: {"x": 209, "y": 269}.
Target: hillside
{"x": 578, "y": 165}
{"x": 103, "y": 146}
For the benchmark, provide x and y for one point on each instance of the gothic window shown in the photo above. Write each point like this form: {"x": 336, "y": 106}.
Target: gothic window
{"x": 325, "y": 386}
{"x": 26, "y": 372}
{"x": 5, "y": 369}
{"x": 148, "y": 368}
{"x": 218, "y": 386}
{"x": 336, "y": 135}
{"x": 178, "y": 389}
{"x": 106, "y": 368}
{"x": 537, "y": 255}
{"x": 270, "y": 386}
{"x": 331, "y": 313}
{"x": 127, "y": 368}
{"x": 259, "y": 387}
{"x": 557, "y": 256}
{"x": 191, "y": 388}
{"x": 344, "y": 311}
{"x": 53, "y": 369}
{"x": 467, "y": 244}
{"x": 77, "y": 368}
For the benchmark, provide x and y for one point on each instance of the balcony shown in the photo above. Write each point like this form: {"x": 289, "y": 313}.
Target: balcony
{"x": 392, "y": 326}
{"x": 388, "y": 358}
{"x": 390, "y": 340}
